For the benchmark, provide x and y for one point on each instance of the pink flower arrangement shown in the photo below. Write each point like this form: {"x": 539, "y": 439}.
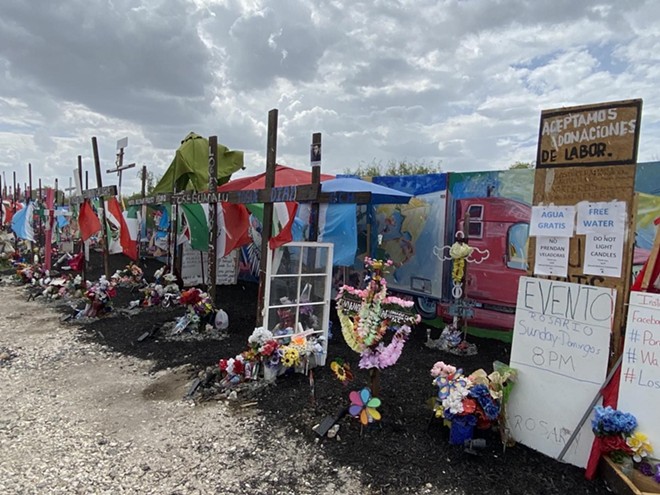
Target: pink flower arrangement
{"x": 366, "y": 316}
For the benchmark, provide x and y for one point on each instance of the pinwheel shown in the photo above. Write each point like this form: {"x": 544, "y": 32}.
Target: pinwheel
{"x": 363, "y": 406}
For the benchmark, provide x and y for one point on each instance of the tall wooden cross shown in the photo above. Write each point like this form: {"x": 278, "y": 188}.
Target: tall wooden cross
{"x": 98, "y": 192}
{"x": 69, "y": 190}
{"x": 269, "y": 195}
{"x": 119, "y": 163}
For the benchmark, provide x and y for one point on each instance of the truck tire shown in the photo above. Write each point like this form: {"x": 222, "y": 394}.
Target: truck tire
{"x": 426, "y": 307}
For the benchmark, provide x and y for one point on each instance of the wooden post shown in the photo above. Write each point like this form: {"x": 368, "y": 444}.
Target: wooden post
{"x": 99, "y": 184}
{"x": 48, "y": 228}
{"x": 267, "y": 228}
{"x": 143, "y": 208}
{"x": 83, "y": 244}
{"x": 29, "y": 198}
{"x": 315, "y": 161}
{"x": 14, "y": 211}
{"x": 41, "y": 235}
{"x": 213, "y": 217}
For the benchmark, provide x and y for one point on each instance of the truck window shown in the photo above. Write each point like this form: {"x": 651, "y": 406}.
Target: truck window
{"x": 516, "y": 240}
{"x": 475, "y": 229}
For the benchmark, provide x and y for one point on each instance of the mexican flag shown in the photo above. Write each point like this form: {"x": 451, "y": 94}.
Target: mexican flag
{"x": 233, "y": 222}
{"x": 285, "y": 214}
{"x": 122, "y": 231}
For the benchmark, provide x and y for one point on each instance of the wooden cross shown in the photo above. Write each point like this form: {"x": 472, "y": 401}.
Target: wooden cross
{"x": 119, "y": 162}
{"x": 69, "y": 190}
{"x": 268, "y": 195}
{"x": 97, "y": 192}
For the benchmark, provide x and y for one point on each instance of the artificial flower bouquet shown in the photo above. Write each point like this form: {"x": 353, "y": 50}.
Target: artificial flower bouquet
{"x": 199, "y": 310}
{"x": 276, "y": 357}
{"x": 131, "y": 275}
{"x": 369, "y": 315}
{"x": 235, "y": 370}
{"x": 466, "y": 402}
{"x": 618, "y": 438}
{"x": 99, "y": 298}
{"x": 31, "y": 273}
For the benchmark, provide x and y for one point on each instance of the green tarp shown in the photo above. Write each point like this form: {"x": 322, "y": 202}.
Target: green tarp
{"x": 190, "y": 168}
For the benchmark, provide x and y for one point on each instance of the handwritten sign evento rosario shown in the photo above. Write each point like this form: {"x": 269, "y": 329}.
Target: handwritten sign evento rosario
{"x": 560, "y": 347}
{"x": 639, "y": 387}
{"x": 603, "y": 134}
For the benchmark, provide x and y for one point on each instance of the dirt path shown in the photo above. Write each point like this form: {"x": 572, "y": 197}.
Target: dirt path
{"x": 75, "y": 418}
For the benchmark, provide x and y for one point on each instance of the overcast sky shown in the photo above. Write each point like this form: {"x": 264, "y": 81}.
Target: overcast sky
{"x": 457, "y": 82}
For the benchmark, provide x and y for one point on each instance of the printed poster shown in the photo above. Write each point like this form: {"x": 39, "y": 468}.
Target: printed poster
{"x": 552, "y": 256}
{"x": 552, "y": 221}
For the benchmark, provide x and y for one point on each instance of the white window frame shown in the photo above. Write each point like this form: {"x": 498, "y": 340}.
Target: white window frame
{"x": 273, "y": 264}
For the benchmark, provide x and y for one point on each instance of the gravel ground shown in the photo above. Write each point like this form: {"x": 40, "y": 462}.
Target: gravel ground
{"x": 77, "y": 418}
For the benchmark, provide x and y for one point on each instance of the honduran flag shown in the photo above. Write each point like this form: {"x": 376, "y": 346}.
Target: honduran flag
{"x": 337, "y": 225}
{"x": 21, "y": 223}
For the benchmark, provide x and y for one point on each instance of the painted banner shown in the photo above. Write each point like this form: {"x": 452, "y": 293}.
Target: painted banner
{"x": 560, "y": 348}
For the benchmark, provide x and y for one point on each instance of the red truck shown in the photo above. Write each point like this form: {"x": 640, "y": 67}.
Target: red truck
{"x": 499, "y": 226}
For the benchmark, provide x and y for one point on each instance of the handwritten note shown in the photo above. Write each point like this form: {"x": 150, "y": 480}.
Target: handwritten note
{"x": 560, "y": 347}
{"x": 639, "y": 387}
{"x": 194, "y": 265}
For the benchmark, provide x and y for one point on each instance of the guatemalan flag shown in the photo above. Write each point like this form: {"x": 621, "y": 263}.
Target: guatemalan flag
{"x": 21, "y": 223}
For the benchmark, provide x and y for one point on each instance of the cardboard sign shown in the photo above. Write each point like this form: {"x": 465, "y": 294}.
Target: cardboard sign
{"x": 639, "y": 387}
{"x": 560, "y": 348}
{"x": 601, "y": 134}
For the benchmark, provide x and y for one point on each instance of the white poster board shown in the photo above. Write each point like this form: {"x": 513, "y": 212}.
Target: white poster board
{"x": 194, "y": 267}
{"x": 639, "y": 387}
{"x": 560, "y": 348}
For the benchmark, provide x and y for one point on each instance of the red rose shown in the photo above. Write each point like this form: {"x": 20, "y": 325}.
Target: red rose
{"x": 469, "y": 406}
{"x": 239, "y": 367}
{"x": 613, "y": 443}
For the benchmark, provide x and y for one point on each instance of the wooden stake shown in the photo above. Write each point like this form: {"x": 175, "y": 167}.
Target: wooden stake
{"x": 316, "y": 179}
{"x": 213, "y": 217}
{"x": 99, "y": 183}
{"x": 267, "y": 228}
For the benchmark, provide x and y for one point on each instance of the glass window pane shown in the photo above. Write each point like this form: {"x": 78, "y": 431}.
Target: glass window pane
{"x": 517, "y": 239}
{"x": 314, "y": 259}
{"x": 281, "y": 288}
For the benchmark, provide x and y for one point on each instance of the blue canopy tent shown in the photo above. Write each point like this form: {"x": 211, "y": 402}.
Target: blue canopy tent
{"x": 338, "y": 222}
{"x": 379, "y": 194}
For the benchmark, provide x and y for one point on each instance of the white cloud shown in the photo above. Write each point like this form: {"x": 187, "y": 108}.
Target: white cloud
{"x": 457, "y": 82}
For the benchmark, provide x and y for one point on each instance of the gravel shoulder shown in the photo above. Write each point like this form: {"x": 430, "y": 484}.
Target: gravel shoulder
{"x": 77, "y": 418}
